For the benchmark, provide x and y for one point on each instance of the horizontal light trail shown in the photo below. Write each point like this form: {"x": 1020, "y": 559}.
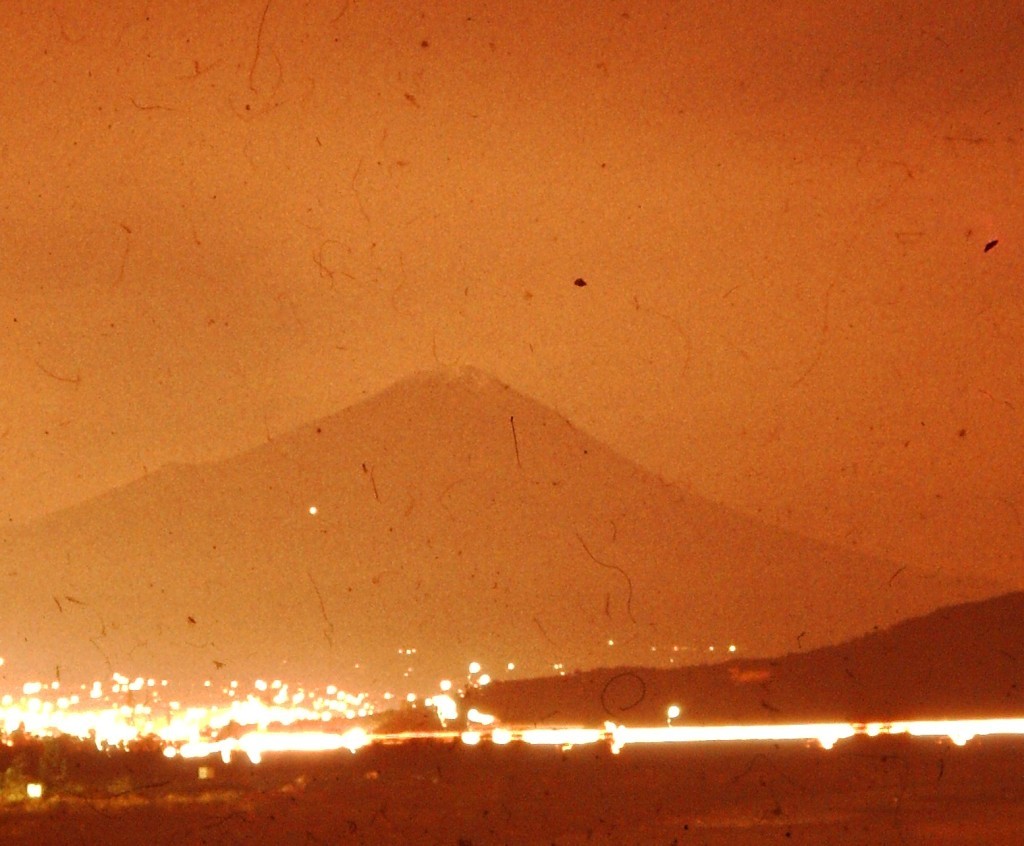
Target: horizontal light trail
{"x": 827, "y": 734}
{"x": 255, "y": 744}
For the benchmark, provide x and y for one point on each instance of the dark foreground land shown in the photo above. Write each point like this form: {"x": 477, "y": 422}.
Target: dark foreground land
{"x": 865, "y": 791}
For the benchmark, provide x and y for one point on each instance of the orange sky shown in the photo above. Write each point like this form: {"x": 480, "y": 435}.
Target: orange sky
{"x": 223, "y": 219}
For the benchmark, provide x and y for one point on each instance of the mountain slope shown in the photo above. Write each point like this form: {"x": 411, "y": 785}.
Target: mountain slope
{"x": 454, "y": 517}
{"x": 963, "y": 661}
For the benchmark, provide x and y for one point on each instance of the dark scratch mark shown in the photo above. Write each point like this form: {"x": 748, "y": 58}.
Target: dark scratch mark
{"x": 608, "y": 605}
{"x": 758, "y": 757}
{"x": 329, "y": 626}
{"x": 821, "y": 339}
{"x": 198, "y": 70}
{"x": 1007, "y": 403}
{"x": 106, "y": 658}
{"x": 155, "y": 785}
{"x": 341, "y": 14}
{"x": 224, "y": 820}
{"x": 64, "y": 32}
{"x": 617, "y": 569}
{"x": 898, "y": 571}
{"x": 373, "y": 482}
{"x": 991, "y": 244}
{"x": 124, "y": 255}
{"x": 72, "y": 380}
{"x": 74, "y": 600}
{"x": 199, "y": 645}
{"x": 59, "y": 606}
{"x": 259, "y": 46}
{"x": 321, "y": 263}
{"x": 547, "y": 637}
{"x": 355, "y": 191}
{"x": 191, "y": 620}
{"x": 411, "y": 99}
{"x": 150, "y": 108}
{"x": 515, "y": 439}
{"x": 671, "y": 321}
{"x": 799, "y": 640}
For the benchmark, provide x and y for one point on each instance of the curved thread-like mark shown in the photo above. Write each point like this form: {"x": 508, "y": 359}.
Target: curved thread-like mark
{"x": 628, "y": 674}
{"x": 821, "y": 339}
{"x": 328, "y": 625}
{"x": 617, "y": 569}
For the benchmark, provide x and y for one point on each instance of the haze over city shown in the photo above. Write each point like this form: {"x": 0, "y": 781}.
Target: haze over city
{"x": 466, "y": 422}
{"x": 222, "y": 223}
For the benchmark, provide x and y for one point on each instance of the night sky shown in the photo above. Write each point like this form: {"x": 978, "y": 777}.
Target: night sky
{"x": 799, "y": 228}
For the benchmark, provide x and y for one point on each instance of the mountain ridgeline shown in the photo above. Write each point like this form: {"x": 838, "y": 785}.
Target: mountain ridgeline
{"x": 961, "y": 662}
{"x": 445, "y": 520}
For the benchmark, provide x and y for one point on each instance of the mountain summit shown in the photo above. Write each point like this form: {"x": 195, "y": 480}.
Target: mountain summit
{"x": 447, "y": 519}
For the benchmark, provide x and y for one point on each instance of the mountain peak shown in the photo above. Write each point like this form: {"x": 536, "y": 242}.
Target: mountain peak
{"x": 449, "y": 515}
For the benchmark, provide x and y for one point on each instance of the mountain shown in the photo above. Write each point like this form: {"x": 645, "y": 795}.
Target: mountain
{"x": 963, "y": 661}
{"x": 454, "y": 517}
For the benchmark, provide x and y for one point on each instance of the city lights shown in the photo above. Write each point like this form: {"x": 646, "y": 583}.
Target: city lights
{"x": 300, "y": 719}
{"x": 268, "y": 716}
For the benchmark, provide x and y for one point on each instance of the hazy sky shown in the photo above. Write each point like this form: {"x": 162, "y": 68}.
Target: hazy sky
{"x": 221, "y": 220}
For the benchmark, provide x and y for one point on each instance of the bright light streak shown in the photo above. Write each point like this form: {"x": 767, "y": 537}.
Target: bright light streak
{"x": 256, "y": 743}
{"x": 121, "y": 710}
{"x": 827, "y": 734}
{"x": 959, "y": 731}
{"x": 502, "y": 736}
{"x": 446, "y": 708}
{"x": 562, "y": 737}
{"x": 475, "y": 716}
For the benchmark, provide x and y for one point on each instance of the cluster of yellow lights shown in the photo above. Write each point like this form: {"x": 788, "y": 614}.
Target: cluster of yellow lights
{"x": 127, "y": 709}
{"x": 110, "y": 715}
{"x": 190, "y": 735}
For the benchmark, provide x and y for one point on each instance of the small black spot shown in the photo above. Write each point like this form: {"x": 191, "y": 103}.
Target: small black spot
{"x": 991, "y": 244}
{"x": 424, "y": 43}
{"x": 191, "y": 620}
{"x": 580, "y": 283}
{"x": 962, "y": 433}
